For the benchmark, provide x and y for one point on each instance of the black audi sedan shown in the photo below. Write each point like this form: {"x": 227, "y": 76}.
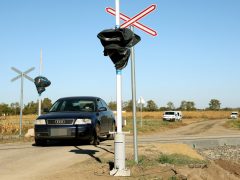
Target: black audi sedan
{"x": 80, "y": 118}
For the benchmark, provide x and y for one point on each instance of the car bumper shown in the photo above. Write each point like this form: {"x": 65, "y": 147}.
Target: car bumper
{"x": 169, "y": 119}
{"x": 83, "y": 132}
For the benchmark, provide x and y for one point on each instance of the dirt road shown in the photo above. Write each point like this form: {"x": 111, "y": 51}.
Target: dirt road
{"x": 25, "y": 161}
{"x": 200, "y": 134}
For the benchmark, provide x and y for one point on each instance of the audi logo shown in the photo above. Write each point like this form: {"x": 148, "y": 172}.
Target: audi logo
{"x": 59, "y": 121}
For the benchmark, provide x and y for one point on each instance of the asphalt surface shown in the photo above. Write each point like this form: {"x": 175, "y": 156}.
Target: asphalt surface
{"x": 26, "y": 161}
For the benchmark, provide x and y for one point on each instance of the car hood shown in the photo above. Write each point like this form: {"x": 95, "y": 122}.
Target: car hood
{"x": 67, "y": 115}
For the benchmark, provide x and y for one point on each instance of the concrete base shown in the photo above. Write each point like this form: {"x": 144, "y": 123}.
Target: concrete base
{"x": 118, "y": 172}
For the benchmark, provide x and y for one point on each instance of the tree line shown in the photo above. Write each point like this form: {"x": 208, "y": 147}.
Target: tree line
{"x": 32, "y": 107}
{"x": 150, "y": 105}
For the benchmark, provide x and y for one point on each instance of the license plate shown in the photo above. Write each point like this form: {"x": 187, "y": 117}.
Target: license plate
{"x": 59, "y": 132}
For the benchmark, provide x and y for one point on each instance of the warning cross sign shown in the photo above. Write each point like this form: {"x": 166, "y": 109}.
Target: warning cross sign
{"x": 134, "y": 20}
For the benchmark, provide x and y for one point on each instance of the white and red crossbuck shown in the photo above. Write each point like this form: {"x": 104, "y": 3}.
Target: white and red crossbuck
{"x": 134, "y": 21}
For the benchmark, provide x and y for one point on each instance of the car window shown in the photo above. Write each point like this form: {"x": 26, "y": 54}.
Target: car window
{"x": 99, "y": 104}
{"x": 169, "y": 113}
{"x": 104, "y": 104}
{"x": 80, "y": 105}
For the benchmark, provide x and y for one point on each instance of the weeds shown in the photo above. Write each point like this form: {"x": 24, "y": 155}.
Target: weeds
{"x": 152, "y": 125}
{"x": 233, "y": 124}
{"x": 178, "y": 159}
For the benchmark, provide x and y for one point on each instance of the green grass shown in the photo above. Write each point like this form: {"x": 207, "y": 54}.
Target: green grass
{"x": 178, "y": 159}
{"x": 233, "y": 124}
{"x": 151, "y": 125}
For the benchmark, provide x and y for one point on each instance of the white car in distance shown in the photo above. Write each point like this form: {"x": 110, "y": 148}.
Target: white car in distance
{"x": 234, "y": 115}
{"x": 172, "y": 116}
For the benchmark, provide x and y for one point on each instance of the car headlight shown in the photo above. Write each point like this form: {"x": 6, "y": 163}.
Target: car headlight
{"x": 40, "y": 122}
{"x": 83, "y": 121}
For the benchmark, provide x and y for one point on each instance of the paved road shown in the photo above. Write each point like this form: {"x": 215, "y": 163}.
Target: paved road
{"x": 25, "y": 161}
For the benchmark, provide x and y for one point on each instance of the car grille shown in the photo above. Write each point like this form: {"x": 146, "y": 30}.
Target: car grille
{"x": 60, "y": 121}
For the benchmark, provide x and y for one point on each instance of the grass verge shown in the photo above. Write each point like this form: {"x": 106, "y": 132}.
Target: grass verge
{"x": 235, "y": 124}
{"x": 175, "y": 159}
{"x": 152, "y": 125}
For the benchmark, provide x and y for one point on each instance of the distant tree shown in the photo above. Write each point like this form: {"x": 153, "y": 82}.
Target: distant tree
{"x": 30, "y": 108}
{"x": 112, "y": 105}
{"x": 151, "y": 106}
{"x": 5, "y": 109}
{"x": 187, "y": 106}
{"x": 128, "y": 105}
{"x": 214, "y": 104}
{"x": 15, "y": 108}
{"x": 170, "y": 106}
{"x": 163, "y": 109}
{"x": 46, "y": 103}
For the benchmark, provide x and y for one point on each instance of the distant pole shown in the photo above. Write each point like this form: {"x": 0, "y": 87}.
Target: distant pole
{"x": 40, "y": 73}
{"x": 141, "y": 113}
{"x": 141, "y": 102}
{"x": 133, "y": 79}
{"x": 21, "y": 106}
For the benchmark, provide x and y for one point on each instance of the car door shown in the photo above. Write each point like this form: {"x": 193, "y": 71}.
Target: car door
{"x": 110, "y": 116}
{"x": 102, "y": 116}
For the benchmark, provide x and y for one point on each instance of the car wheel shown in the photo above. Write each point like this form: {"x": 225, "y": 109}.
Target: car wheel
{"x": 40, "y": 142}
{"x": 94, "y": 139}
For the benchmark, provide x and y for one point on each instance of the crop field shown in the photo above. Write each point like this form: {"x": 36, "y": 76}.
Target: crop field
{"x": 10, "y": 125}
{"x": 186, "y": 115}
{"x": 151, "y": 121}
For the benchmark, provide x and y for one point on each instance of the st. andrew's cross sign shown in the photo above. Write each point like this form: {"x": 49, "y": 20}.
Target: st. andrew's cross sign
{"x": 134, "y": 21}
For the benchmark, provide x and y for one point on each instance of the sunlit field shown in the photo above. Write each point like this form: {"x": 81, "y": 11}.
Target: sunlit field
{"x": 10, "y": 124}
{"x": 151, "y": 121}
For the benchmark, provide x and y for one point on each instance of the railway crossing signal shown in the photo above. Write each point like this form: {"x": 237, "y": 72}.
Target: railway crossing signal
{"x": 117, "y": 44}
{"x": 118, "y": 50}
{"x": 22, "y": 75}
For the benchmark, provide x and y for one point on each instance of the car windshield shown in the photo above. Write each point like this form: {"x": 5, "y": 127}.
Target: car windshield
{"x": 79, "y": 105}
{"x": 169, "y": 113}
{"x": 234, "y": 113}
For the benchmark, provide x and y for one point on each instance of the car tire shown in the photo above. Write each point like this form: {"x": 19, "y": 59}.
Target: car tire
{"x": 40, "y": 142}
{"x": 94, "y": 139}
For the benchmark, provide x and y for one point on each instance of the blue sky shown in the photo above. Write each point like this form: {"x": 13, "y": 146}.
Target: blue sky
{"x": 195, "y": 57}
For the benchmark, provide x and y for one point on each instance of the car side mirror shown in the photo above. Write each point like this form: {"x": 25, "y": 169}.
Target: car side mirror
{"x": 102, "y": 109}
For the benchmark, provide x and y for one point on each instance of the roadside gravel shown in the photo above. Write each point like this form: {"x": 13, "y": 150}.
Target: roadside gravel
{"x": 230, "y": 153}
